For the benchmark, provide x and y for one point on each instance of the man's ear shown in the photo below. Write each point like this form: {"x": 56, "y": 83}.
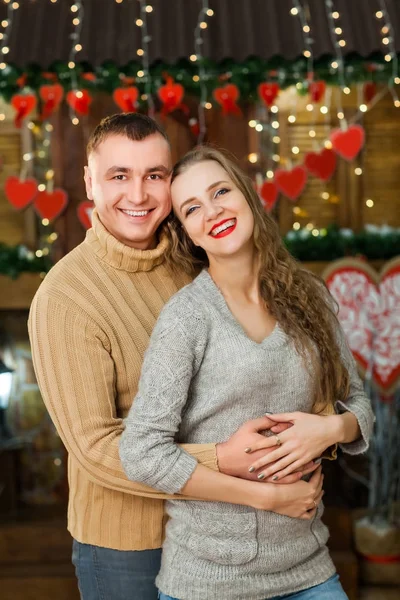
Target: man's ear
{"x": 88, "y": 182}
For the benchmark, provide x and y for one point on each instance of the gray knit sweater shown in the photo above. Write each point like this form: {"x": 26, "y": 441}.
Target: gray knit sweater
{"x": 202, "y": 378}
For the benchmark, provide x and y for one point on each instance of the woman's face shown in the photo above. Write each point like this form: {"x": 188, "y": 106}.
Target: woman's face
{"x": 213, "y": 211}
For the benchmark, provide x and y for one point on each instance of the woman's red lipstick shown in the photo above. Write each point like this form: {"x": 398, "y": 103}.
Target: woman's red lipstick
{"x": 226, "y": 231}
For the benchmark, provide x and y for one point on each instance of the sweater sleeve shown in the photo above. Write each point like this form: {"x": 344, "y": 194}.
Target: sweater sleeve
{"x": 357, "y": 401}
{"x": 148, "y": 451}
{"x": 76, "y": 377}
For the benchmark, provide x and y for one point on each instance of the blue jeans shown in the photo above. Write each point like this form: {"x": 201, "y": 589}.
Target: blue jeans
{"x": 329, "y": 590}
{"x": 105, "y": 574}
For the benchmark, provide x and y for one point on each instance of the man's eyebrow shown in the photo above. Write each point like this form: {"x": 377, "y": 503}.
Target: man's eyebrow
{"x": 117, "y": 169}
{"x": 210, "y": 187}
{"x": 158, "y": 169}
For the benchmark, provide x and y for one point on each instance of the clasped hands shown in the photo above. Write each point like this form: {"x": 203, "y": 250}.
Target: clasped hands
{"x": 291, "y": 449}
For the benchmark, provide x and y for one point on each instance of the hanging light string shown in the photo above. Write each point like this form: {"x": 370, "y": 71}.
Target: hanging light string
{"x": 201, "y": 26}
{"x": 7, "y": 24}
{"x": 299, "y": 11}
{"x": 388, "y": 40}
{"x": 77, "y": 22}
{"x": 338, "y": 64}
{"x": 143, "y": 52}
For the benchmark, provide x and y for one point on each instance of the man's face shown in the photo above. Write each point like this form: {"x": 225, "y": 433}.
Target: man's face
{"x": 129, "y": 183}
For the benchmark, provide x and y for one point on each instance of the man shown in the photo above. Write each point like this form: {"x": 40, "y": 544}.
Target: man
{"x": 89, "y": 326}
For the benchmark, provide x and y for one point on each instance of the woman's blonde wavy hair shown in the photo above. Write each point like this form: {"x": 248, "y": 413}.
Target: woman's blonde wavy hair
{"x": 295, "y": 297}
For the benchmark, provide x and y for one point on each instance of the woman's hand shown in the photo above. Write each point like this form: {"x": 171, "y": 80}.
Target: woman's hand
{"x": 295, "y": 447}
{"x": 299, "y": 500}
{"x": 233, "y": 461}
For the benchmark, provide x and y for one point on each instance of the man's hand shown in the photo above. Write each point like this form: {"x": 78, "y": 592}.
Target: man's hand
{"x": 234, "y": 460}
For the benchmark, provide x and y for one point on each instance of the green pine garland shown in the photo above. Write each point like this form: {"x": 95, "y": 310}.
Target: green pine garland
{"x": 246, "y": 75}
{"x": 372, "y": 243}
{"x": 15, "y": 260}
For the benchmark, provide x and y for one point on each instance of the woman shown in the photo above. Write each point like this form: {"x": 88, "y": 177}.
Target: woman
{"x": 254, "y": 332}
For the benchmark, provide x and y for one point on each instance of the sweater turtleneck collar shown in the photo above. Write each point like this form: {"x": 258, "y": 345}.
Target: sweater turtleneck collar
{"x": 119, "y": 255}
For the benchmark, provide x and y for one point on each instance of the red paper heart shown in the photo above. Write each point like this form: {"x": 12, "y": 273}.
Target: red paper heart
{"x": 227, "y": 97}
{"x": 171, "y": 95}
{"x": 126, "y": 98}
{"x": 321, "y": 164}
{"x": 49, "y": 205}
{"x": 317, "y": 90}
{"x": 84, "y": 212}
{"x": 268, "y": 93}
{"x": 369, "y": 91}
{"x": 269, "y": 195}
{"x": 368, "y": 312}
{"x": 79, "y": 101}
{"x": 20, "y": 193}
{"x": 348, "y": 143}
{"x": 24, "y": 104}
{"x": 291, "y": 182}
{"x": 51, "y": 96}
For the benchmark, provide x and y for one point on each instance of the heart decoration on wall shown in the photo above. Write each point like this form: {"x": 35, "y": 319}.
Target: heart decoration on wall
{"x": 227, "y": 97}
{"x": 316, "y": 89}
{"x": 291, "y": 182}
{"x": 268, "y": 93}
{"x": 20, "y": 193}
{"x": 24, "y": 104}
{"x": 84, "y": 212}
{"x": 49, "y": 205}
{"x": 51, "y": 96}
{"x": 369, "y": 312}
{"x": 79, "y": 101}
{"x": 321, "y": 164}
{"x": 171, "y": 95}
{"x": 269, "y": 194}
{"x": 126, "y": 98}
{"x": 348, "y": 143}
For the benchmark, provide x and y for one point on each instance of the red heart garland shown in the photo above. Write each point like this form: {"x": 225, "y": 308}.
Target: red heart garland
{"x": 24, "y": 104}
{"x": 20, "y": 193}
{"x": 51, "y": 96}
{"x": 321, "y": 164}
{"x": 84, "y": 212}
{"x": 227, "y": 97}
{"x": 126, "y": 98}
{"x": 49, "y": 205}
{"x": 317, "y": 90}
{"x": 79, "y": 101}
{"x": 171, "y": 95}
{"x": 370, "y": 89}
{"x": 291, "y": 182}
{"x": 194, "y": 127}
{"x": 348, "y": 143}
{"x": 368, "y": 313}
{"x": 269, "y": 194}
{"x": 268, "y": 93}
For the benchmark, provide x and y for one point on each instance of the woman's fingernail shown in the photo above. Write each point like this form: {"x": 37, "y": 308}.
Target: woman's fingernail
{"x": 252, "y": 469}
{"x": 247, "y": 450}
{"x": 269, "y": 413}
{"x": 275, "y": 477}
{"x": 260, "y": 476}
{"x": 318, "y": 461}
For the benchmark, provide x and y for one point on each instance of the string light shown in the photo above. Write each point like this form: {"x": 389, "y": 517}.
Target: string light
{"x": 388, "y": 40}
{"x": 204, "y": 12}
{"x": 298, "y": 10}
{"x": 143, "y": 52}
{"x": 338, "y": 64}
{"x": 77, "y": 21}
{"x": 253, "y": 157}
{"x": 7, "y": 25}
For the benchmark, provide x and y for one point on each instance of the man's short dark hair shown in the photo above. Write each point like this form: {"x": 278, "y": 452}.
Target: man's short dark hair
{"x": 134, "y": 126}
